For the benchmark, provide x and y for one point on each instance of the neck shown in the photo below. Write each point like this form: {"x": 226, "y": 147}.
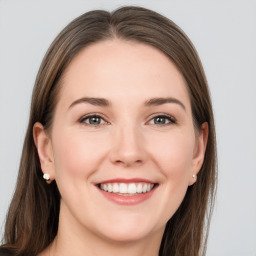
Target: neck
{"x": 98, "y": 247}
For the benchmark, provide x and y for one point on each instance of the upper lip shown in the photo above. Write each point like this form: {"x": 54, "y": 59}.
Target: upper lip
{"x": 123, "y": 180}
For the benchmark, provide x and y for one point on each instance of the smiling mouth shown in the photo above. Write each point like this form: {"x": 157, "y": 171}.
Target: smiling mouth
{"x": 127, "y": 189}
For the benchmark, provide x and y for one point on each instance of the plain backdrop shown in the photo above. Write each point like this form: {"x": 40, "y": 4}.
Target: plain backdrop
{"x": 224, "y": 33}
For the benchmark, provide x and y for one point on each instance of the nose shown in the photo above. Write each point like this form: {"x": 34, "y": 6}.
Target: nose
{"x": 128, "y": 147}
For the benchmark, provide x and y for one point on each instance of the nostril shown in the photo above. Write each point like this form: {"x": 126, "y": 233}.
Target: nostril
{"x": 128, "y": 162}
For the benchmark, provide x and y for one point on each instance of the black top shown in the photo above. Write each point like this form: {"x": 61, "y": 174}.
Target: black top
{"x": 6, "y": 252}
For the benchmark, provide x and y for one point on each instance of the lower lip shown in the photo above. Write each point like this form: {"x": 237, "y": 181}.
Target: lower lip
{"x": 127, "y": 200}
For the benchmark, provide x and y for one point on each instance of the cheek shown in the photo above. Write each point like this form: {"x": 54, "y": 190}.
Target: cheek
{"x": 75, "y": 154}
{"x": 76, "y": 157}
{"x": 174, "y": 154}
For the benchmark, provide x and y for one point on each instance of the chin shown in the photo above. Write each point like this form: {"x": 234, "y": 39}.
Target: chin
{"x": 123, "y": 236}
{"x": 129, "y": 229}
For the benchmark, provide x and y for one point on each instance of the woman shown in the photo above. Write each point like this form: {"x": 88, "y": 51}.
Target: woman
{"x": 119, "y": 155}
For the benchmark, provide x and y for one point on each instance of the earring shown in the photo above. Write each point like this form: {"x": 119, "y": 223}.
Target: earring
{"x": 194, "y": 176}
{"x": 46, "y": 176}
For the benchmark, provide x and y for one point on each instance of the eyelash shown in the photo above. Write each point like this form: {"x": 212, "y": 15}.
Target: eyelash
{"x": 171, "y": 120}
{"x": 87, "y": 117}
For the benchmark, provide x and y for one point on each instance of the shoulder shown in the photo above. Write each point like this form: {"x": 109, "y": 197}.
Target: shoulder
{"x": 6, "y": 252}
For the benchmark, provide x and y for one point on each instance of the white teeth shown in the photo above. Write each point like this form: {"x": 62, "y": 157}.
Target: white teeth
{"x": 115, "y": 188}
{"x": 127, "y": 188}
{"x": 139, "y": 188}
{"x": 132, "y": 188}
{"x": 123, "y": 188}
{"x": 110, "y": 188}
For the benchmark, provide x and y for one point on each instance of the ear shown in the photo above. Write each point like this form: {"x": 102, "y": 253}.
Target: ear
{"x": 44, "y": 149}
{"x": 199, "y": 152}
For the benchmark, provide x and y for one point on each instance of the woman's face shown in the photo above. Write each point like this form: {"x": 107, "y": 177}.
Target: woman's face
{"x": 122, "y": 148}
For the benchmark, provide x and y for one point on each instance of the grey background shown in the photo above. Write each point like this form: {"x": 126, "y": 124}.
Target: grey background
{"x": 224, "y": 33}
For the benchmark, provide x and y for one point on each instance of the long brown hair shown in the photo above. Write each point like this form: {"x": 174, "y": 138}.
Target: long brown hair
{"x": 32, "y": 220}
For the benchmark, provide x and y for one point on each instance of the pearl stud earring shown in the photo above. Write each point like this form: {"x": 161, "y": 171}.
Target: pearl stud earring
{"x": 46, "y": 176}
{"x": 194, "y": 176}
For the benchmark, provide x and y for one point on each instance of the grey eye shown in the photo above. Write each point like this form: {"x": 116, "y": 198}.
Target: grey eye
{"x": 93, "y": 120}
{"x": 162, "y": 120}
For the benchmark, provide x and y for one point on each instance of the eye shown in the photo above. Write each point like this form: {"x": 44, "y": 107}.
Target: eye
{"x": 94, "y": 120}
{"x": 162, "y": 120}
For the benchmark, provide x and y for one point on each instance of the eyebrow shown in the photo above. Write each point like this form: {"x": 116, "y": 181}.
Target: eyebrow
{"x": 105, "y": 103}
{"x": 161, "y": 101}
{"x": 93, "y": 101}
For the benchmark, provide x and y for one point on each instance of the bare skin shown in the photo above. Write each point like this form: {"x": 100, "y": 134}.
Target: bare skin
{"x": 143, "y": 129}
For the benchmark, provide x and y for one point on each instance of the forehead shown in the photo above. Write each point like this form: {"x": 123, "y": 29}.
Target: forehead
{"x": 115, "y": 68}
